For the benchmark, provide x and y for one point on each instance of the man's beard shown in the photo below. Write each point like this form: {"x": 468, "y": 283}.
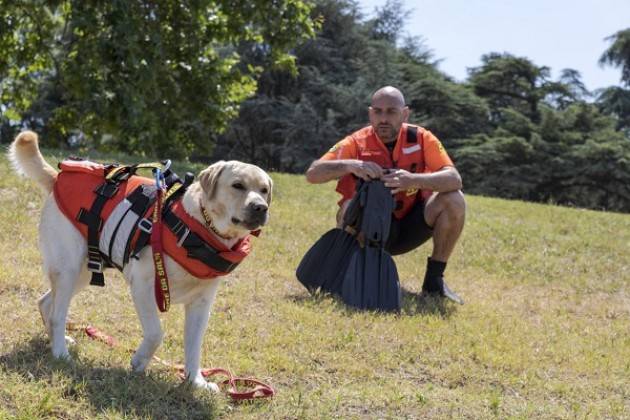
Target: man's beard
{"x": 386, "y": 132}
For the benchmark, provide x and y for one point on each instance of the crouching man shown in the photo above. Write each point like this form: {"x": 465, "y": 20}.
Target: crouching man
{"x": 413, "y": 163}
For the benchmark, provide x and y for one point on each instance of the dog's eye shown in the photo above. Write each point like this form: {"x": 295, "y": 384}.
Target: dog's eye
{"x": 238, "y": 186}
{"x": 264, "y": 191}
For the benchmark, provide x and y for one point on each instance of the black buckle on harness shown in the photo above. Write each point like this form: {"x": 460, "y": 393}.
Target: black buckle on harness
{"x": 107, "y": 189}
{"x": 94, "y": 257}
{"x": 177, "y": 228}
{"x": 145, "y": 225}
{"x": 183, "y": 237}
{"x": 95, "y": 266}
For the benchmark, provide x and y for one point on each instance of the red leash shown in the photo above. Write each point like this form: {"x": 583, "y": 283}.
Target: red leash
{"x": 253, "y": 388}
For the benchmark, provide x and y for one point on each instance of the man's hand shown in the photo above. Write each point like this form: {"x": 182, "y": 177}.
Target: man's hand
{"x": 400, "y": 180}
{"x": 365, "y": 170}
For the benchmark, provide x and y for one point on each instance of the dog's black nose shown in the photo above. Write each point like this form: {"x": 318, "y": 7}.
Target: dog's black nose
{"x": 260, "y": 208}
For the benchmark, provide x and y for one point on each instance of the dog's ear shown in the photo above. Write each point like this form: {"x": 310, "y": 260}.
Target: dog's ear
{"x": 208, "y": 177}
{"x": 270, "y": 190}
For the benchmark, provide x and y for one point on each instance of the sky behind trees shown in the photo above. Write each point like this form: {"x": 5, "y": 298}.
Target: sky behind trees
{"x": 558, "y": 34}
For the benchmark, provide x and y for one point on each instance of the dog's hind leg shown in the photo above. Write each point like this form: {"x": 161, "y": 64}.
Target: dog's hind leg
{"x": 63, "y": 252}
{"x": 45, "y": 303}
{"x": 197, "y": 314}
{"x": 61, "y": 292}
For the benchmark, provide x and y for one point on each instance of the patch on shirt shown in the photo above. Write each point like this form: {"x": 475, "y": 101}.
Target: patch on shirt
{"x": 411, "y": 191}
{"x": 409, "y": 150}
{"x": 335, "y": 148}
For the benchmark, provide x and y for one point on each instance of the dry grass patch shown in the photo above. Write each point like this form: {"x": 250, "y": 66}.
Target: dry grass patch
{"x": 543, "y": 333}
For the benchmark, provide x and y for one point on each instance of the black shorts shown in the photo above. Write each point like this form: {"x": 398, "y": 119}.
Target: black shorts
{"x": 409, "y": 232}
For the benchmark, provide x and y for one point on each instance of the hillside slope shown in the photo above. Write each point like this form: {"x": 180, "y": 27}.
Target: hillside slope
{"x": 544, "y": 332}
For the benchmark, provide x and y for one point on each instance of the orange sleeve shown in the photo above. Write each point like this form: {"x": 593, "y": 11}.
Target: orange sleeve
{"x": 344, "y": 149}
{"x": 435, "y": 156}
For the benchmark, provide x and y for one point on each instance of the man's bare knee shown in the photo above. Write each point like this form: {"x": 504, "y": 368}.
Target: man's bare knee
{"x": 449, "y": 205}
{"x": 454, "y": 203}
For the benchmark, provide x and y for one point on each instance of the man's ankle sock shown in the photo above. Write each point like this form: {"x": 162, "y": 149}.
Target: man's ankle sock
{"x": 433, "y": 278}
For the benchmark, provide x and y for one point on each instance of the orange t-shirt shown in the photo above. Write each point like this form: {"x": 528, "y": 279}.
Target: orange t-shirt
{"x": 422, "y": 154}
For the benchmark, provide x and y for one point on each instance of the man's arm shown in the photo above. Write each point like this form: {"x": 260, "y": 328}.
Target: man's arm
{"x": 326, "y": 170}
{"x": 445, "y": 180}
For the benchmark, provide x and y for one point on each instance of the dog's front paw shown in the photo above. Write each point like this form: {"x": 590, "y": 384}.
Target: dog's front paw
{"x": 200, "y": 382}
{"x": 139, "y": 363}
{"x": 70, "y": 341}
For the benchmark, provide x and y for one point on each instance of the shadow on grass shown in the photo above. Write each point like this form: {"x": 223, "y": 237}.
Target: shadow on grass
{"x": 412, "y": 303}
{"x": 109, "y": 389}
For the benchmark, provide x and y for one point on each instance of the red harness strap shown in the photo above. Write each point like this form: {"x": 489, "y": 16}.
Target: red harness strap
{"x": 162, "y": 294}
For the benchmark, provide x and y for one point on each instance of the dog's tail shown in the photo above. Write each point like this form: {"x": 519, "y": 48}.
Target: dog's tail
{"x": 26, "y": 158}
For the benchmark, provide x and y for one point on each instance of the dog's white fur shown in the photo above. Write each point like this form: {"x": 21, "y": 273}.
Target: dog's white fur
{"x": 235, "y": 194}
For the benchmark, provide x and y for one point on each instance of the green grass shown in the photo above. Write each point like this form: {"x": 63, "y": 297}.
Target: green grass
{"x": 544, "y": 333}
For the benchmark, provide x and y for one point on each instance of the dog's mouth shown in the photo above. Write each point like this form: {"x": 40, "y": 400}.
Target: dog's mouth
{"x": 251, "y": 223}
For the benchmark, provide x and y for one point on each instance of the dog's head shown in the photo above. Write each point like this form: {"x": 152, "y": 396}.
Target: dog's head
{"x": 237, "y": 196}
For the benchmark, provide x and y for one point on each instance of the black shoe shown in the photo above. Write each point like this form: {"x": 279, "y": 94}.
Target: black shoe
{"x": 437, "y": 286}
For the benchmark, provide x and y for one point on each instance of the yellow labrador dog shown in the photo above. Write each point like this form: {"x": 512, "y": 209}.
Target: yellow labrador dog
{"x": 236, "y": 196}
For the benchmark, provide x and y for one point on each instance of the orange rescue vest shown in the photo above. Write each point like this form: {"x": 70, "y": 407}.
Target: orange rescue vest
{"x": 408, "y": 155}
{"x": 74, "y": 190}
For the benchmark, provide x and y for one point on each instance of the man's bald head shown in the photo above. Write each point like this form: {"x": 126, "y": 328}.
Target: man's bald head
{"x": 390, "y": 94}
{"x": 388, "y": 112}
